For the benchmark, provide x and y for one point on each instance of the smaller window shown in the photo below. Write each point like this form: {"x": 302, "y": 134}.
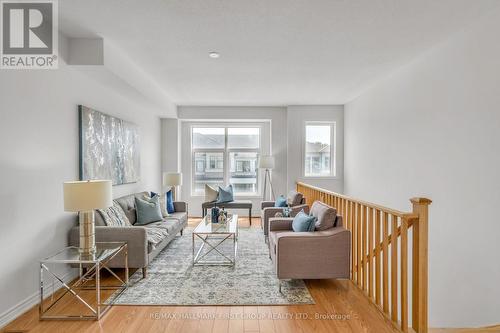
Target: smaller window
{"x": 318, "y": 150}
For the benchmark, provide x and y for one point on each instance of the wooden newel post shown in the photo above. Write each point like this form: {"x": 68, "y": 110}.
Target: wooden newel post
{"x": 420, "y": 265}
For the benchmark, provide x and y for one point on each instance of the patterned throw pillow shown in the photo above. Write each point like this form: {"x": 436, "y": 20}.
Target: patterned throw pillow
{"x": 114, "y": 216}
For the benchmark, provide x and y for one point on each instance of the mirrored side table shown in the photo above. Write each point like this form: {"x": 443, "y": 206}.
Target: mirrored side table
{"x": 89, "y": 280}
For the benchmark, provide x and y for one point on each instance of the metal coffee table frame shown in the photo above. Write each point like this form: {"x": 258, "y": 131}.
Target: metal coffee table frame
{"x": 93, "y": 272}
{"x": 221, "y": 234}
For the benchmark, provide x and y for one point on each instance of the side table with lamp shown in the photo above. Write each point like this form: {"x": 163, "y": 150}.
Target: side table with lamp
{"x": 84, "y": 197}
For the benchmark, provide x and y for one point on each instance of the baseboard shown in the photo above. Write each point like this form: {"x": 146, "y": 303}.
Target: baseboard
{"x": 30, "y": 301}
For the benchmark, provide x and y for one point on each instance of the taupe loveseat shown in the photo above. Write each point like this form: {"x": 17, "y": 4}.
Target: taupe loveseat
{"x": 141, "y": 248}
{"x": 320, "y": 254}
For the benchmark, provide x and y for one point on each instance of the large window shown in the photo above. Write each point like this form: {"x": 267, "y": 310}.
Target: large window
{"x": 226, "y": 155}
{"x": 319, "y": 154}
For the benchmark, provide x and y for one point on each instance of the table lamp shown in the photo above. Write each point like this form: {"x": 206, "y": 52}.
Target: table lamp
{"x": 267, "y": 162}
{"x": 172, "y": 179}
{"x": 83, "y": 197}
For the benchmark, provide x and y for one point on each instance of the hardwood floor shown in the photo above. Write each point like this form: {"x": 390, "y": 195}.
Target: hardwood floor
{"x": 340, "y": 307}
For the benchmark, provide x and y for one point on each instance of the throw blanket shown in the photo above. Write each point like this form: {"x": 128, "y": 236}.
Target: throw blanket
{"x": 155, "y": 234}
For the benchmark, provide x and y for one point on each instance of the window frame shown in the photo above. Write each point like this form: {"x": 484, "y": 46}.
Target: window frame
{"x": 333, "y": 148}
{"x": 226, "y": 152}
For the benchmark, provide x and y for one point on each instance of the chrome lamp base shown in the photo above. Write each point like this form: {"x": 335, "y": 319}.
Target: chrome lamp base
{"x": 87, "y": 233}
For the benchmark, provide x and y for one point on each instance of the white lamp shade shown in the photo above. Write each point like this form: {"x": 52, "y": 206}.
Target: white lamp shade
{"x": 266, "y": 162}
{"x": 80, "y": 196}
{"x": 172, "y": 179}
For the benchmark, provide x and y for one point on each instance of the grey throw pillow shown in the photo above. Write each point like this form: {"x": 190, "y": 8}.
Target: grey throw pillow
{"x": 148, "y": 210}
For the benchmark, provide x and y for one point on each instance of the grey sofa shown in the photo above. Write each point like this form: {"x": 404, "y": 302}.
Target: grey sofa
{"x": 141, "y": 250}
{"x": 320, "y": 254}
{"x": 295, "y": 201}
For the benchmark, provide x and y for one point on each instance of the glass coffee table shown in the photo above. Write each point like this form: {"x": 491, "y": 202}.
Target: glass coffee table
{"x": 215, "y": 238}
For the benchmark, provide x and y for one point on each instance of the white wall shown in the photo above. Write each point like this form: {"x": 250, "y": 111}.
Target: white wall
{"x": 278, "y": 134}
{"x": 39, "y": 151}
{"x": 296, "y": 119}
{"x": 170, "y": 143}
{"x": 433, "y": 129}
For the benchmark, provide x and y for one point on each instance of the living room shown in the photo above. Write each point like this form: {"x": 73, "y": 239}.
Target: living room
{"x": 255, "y": 124}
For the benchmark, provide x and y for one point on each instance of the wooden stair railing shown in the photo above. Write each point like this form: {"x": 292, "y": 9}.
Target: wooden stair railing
{"x": 381, "y": 262}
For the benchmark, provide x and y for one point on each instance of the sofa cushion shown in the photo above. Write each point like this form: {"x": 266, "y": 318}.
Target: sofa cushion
{"x": 325, "y": 215}
{"x": 168, "y": 225}
{"x": 180, "y": 216}
{"x": 303, "y": 222}
{"x": 128, "y": 205}
{"x": 114, "y": 216}
{"x": 148, "y": 210}
{"x": 294, "y": 198}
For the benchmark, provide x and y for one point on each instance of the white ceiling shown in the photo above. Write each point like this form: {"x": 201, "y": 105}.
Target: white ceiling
{"x": 273, "y": 52}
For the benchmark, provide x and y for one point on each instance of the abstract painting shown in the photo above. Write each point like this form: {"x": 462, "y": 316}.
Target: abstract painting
{"x": 109, "y": 147}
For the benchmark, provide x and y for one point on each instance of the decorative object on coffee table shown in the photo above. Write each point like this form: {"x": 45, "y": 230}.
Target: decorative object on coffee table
{"x": 84, "y": 197}
{"x": 267, "y": 163}
{"x": 287, "y": 211}
{"x": 173, "y": 180}
{"x": 214, "y": 215}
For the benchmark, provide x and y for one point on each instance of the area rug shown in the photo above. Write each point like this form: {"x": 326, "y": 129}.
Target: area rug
{"x": 172, "y": 280}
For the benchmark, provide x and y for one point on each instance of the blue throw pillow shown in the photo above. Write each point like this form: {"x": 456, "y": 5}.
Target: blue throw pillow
{"x": 303, "y": 222}
{"x": 148, "y": 210}
{"x": 170, "y": 202}
{"x": 280, "y": 202}
{"x": 225, "y": 194}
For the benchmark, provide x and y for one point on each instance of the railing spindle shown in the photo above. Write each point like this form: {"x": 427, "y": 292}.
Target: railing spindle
{"x": 353, "y": 240}
{"x": 385, "y": 262}
{"x": 370, "y": 253}
{"x": 377, "y": 257}
{"x": 404, "y": 275}
{"x": 358, "y": 244}
{"x": 363, "y": 245}
{"x": 394, "y": 268}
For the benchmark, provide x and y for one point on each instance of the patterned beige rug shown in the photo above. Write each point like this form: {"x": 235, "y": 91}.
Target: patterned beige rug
{"x": 172, "y": 280}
